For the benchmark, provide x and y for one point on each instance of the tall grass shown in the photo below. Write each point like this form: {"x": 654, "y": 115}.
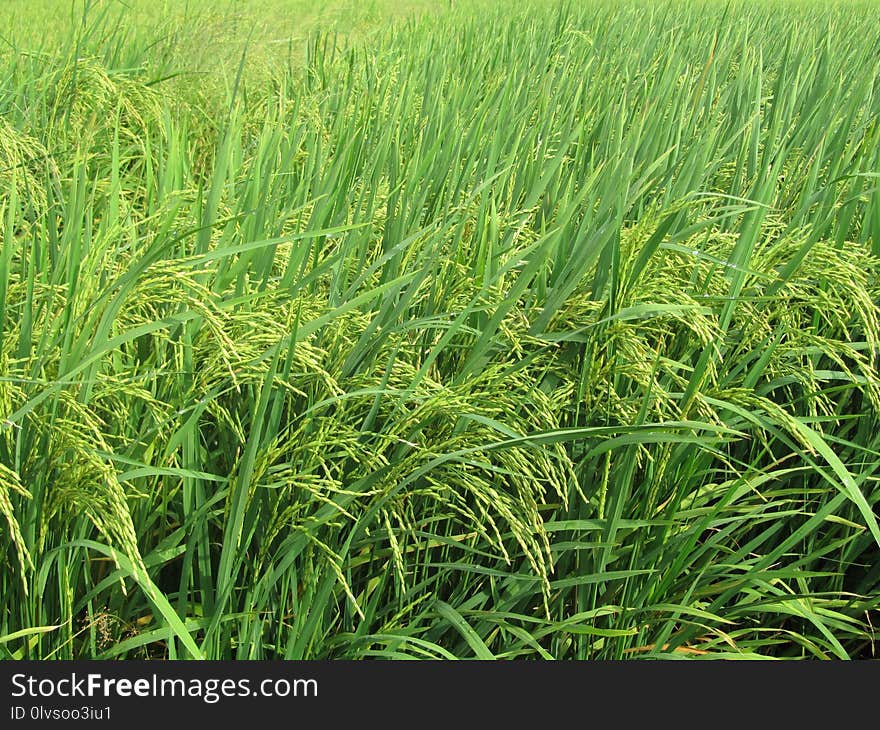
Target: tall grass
{"x": 536, "y": 332}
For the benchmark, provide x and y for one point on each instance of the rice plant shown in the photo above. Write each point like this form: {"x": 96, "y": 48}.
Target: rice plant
{"x": 458, "y": 331}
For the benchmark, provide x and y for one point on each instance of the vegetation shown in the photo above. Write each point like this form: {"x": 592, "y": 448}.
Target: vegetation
{"x": 463, "y": 330}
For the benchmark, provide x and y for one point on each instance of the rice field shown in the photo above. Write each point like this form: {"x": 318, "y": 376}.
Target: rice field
{"x": 460, "y": 329}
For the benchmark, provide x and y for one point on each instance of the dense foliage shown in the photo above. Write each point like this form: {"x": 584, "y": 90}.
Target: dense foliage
{"x": 536, "y": 331}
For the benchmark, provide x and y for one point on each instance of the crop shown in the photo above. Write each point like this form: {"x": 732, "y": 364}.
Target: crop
{"x": 548, "y": 331}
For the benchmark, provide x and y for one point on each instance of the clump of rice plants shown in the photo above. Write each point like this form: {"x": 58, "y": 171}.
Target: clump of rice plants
{"x": 550, "y": 332}
{"x": 24, "y": 166}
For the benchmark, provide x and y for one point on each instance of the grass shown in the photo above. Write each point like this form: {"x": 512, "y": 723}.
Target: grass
{"x": 457, "y": 330}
